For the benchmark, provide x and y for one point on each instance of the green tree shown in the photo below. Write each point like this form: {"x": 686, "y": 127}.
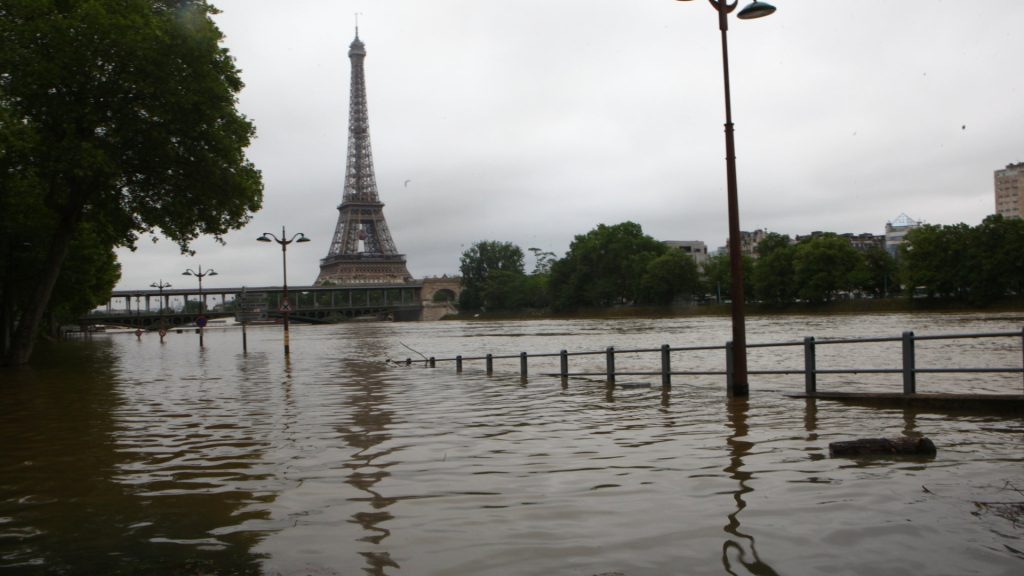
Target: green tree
{"x": 542, "y": 261}
{"x": 534, "y": 292}
{"x": 774, "y": 275}
{"x": 822, "y": 267}
{"x": 878, "y": 273}
{"x": 717, "y": 272}
{"x": 124, "y": 116}
{"x": 670, "y": 276}
{"x": 488, "y": 269}
{"x": 603, "y": 267}
{"x": 996, "y": 253}
{"x": 936, "y": 259}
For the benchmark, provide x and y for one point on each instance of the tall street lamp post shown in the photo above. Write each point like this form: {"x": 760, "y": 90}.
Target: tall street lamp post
{"x": 738, "y": 384}
{"x": 160, "y": 302}
{"x": 284, "y": 241}
{"x": 201, "y": 320}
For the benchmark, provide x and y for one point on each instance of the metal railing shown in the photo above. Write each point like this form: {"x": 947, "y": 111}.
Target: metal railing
{"x": 810, "y": 371}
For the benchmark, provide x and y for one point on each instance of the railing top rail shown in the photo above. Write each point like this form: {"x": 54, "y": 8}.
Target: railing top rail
{"x": 824, "y": 341}
{"x": 1018, "y": 334}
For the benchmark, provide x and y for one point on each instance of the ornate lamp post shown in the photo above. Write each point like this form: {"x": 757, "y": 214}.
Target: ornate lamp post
{"x": 284, "y": 241}
{"x": 201, "y": 320}
{"x": 738, "y": 384}
{"x": 160, "y": 302}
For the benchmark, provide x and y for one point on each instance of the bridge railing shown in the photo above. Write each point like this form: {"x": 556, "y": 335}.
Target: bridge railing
{"x": 663, "y": 358}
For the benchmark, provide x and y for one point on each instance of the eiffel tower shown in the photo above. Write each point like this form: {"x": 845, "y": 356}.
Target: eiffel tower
{"x": 362, "y": 251}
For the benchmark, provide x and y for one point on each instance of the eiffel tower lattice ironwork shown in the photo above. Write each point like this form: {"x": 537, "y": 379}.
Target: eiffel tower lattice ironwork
{"x": 362, "y": 251}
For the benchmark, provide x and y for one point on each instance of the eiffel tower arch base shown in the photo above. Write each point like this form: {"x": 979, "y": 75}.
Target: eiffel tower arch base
{"x": 363, "y": 269}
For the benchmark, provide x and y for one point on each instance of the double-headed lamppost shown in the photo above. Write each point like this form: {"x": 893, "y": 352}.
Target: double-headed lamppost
{"x": 202, "y": 304}
{"x": 738, "y": 384}
{"x": 160, "y": 302}
{"x": 284, "y": 241}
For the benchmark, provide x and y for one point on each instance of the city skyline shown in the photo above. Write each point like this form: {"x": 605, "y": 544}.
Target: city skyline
{"x": 535, "y": 122}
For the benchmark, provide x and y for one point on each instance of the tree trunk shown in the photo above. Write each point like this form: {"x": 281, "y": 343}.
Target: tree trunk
{"x": 28, "y": 325}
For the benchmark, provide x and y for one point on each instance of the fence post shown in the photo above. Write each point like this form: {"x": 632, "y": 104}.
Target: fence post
{"x": 810, "y": 366}
{"x": 610, "y": 365}
{"x": 489, "y": 364}
{"x": 666, "y": 368}
{"x": 563, "y": 365}
{"x": 522, "y": 365}
{"x": 432, "y": 362}
{"x": 909, "y": 373}
{"x": 728, "y": 369}
{"x": 458, "y": 364}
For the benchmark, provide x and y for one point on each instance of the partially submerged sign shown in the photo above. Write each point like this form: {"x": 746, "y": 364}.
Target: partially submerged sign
{"x": 252, "y": 306}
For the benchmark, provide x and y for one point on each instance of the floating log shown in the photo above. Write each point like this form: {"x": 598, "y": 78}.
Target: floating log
{"x": 901, "y": 446}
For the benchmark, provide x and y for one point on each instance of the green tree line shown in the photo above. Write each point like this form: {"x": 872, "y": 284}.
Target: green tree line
{"x": 620, "y": 265}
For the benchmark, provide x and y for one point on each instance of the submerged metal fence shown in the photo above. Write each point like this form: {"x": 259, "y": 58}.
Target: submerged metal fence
{"x": 810, "y": 371}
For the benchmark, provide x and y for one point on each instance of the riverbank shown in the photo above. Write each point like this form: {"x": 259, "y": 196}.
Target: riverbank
{"x": 842, "y": 307}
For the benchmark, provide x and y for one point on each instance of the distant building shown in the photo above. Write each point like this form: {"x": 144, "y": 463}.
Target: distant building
{"x": 695, "y": 248}
{"x": 1009, "y": 186}
{"x": 896, "y": 229}
{"x": 861, "y": 242}
{"x": 748, "y": 243}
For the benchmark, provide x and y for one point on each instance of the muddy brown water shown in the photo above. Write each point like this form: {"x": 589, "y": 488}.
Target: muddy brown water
{"x": 127, "y": 456}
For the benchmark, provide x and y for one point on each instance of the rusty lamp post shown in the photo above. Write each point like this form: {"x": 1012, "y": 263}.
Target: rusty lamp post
{"x": 737, "y": 380}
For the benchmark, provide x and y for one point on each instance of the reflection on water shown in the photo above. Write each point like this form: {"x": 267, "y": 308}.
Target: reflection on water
{"x": 127, "y": 456}
{"x": 741, "y": 548}
{"x": 368, "y": 464}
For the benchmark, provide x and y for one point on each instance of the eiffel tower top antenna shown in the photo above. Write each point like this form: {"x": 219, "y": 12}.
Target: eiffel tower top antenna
{"x": 357, "y": 25}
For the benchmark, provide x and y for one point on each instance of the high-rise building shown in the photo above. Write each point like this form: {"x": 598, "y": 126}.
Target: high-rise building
{"x": 1009, "y": 185}
{"x": 362, "y": 251}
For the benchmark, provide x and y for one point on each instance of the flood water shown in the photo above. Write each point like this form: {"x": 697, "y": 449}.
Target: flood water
{"x": 128, "y": 456}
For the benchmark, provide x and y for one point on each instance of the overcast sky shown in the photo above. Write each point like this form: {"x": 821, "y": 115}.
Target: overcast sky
{"x": 534, "y": 121}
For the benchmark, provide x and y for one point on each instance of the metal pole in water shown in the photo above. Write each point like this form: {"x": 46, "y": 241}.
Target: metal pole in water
{"x": 666, "y": 367}
{"x": 610, "y": 365}
{"x": 728, "y": 369}
{"x": 909, "y": 373}
{"x": 810, "y": 366}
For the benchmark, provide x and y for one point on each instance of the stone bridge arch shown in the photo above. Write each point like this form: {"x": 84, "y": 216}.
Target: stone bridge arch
{"x": 442, "y": 289}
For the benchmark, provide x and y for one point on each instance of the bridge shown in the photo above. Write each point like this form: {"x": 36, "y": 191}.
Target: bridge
{"x": 311, "y": 304}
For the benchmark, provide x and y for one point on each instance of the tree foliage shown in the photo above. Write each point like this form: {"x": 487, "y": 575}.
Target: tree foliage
{"x": 975, "y": 264}
{"x": 620, "y": 265}
{"x": 718, "y": 277}
{"x": 669, "y": 277}
{"x": 823, "y": 266}
{"x": 120, "y": 115}
{"x": 774, "y": 276}
{"x": 604, "y": 267}
{"x": 489, "y": 269}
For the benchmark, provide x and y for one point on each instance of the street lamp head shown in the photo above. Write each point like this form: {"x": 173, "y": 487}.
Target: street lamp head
{"x": 211, "y": 273}
{"x": 302, "y": 238}
{"x": 187, "y": 273}
{"x": 755, "y": 9}
{"x": 263, "y": 238}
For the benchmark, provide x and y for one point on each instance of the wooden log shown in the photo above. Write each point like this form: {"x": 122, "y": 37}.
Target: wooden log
{"x": 900, "y": 446}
